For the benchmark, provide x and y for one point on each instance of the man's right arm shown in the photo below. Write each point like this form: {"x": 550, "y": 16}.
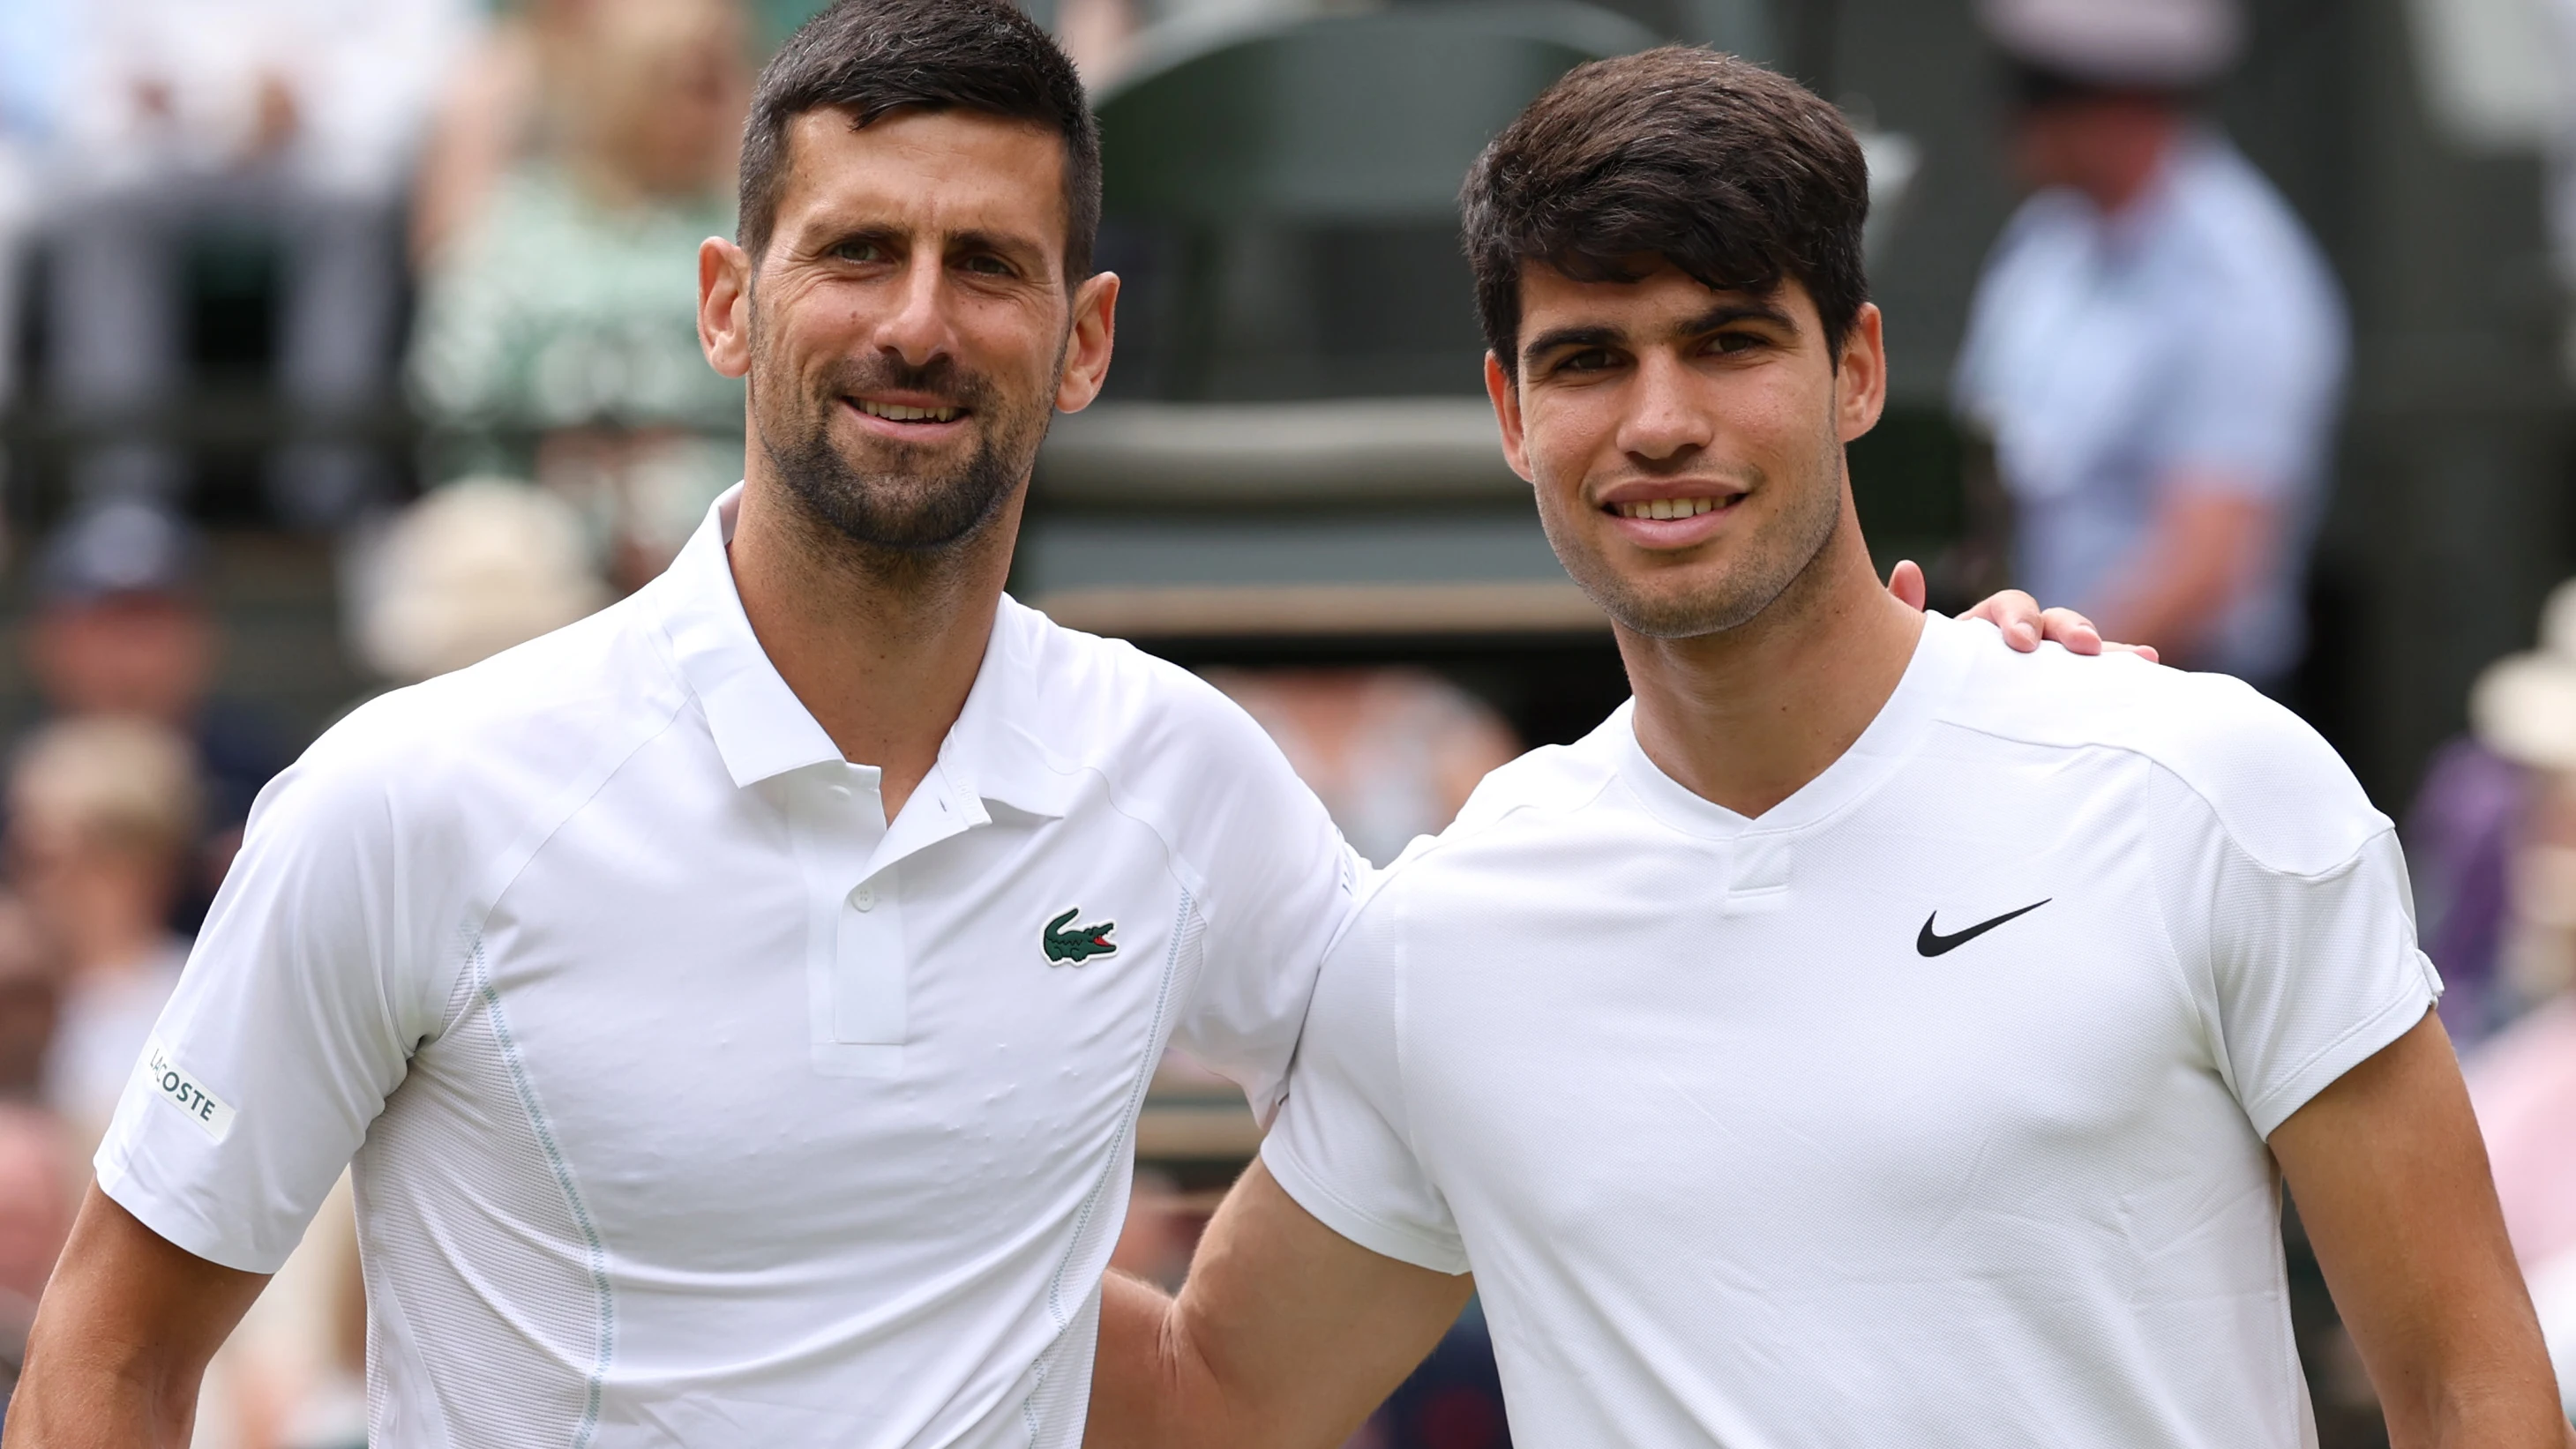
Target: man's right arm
{"x": 1286, "y": 1335}
{"x": 122, "y": 1338}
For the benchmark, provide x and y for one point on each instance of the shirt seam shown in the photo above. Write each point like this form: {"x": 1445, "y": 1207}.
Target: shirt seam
{"x": 543, "y": 1128}
{"x": 2216, "y": 815}
{"x": 1117, "y": 1154}
{"x": 602, "y": 767}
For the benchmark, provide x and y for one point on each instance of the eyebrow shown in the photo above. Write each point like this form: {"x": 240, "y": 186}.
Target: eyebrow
{"x": 1724, "y": 314}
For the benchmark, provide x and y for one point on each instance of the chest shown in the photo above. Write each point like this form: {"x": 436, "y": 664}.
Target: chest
{"x": 1870, "y": 1030}
{"x": 745, "y": 1013}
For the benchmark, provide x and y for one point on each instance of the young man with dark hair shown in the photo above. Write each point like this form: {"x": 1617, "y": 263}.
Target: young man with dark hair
{"x": 737, "y": 1005}
{"x": 1868, "y": 1036}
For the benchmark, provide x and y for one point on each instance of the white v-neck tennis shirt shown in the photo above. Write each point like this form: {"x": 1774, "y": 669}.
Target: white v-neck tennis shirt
{"x": 692, "y": 1101}
{"x": 1926, "y": 1109}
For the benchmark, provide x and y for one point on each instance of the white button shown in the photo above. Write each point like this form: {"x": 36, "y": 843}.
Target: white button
{"x": 838, "y": 792}
{"x": 863, "y": 898}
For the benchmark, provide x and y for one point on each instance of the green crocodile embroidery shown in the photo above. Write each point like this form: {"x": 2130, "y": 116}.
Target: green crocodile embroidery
{"x": 1079, "y": 944}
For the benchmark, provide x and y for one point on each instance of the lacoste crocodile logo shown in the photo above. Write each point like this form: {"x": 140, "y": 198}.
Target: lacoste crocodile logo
{"x": 1079, "y": 943}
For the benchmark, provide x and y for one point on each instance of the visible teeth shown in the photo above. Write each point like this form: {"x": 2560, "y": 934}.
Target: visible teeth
{"x": 1668, "y": 508}
{"x": 895, "y": 413}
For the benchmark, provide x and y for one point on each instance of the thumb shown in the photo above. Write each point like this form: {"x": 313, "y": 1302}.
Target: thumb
{"x": 1905, "y": 581}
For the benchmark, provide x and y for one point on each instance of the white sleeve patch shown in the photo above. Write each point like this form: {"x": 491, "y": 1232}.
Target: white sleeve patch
{"x": 183, "y": 1093}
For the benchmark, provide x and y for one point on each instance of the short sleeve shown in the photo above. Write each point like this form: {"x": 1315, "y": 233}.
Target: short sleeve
{"x": 2254, "y": 407}
{"x": 1342, "y": 1146}
{"x": 297, "y": 1015}
{"x": 2300, "y": 946}
{"x": 1280, "y": 884}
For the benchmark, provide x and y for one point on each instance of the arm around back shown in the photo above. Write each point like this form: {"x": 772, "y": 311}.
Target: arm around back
{"x": 1286, "y": 1336}
{"x": 122, "y": 1338}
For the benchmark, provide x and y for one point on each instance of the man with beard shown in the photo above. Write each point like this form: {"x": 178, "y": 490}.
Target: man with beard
{"x": 737, "y": 1005}
{"x": 1867, "y": 1035}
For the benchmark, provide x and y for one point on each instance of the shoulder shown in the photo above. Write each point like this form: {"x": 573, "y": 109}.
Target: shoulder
{"x": 2260, "y": 773}
{"x": 2246, "y": 242}
{"x": 468, "y": 756}
{"x": 1106, "y": 705}
{"x": 1171, "y": 751}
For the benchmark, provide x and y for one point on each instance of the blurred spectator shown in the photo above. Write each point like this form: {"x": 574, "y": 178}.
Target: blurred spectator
{"x": 2522, "y": 712}
{"x": 470, "y": 570}
{"x": 30, "y": 992}
{"x": 557, "y": 337}
{"x": 1392, "y": 752}
{"x": 2157, "y": 348}
{"x": 121, "y": 628}
{"x": 294, "y": 118}
{"x": 102, "y": 818}
{"x": 495, "y": 112}
{"x": 39, "y": 1185}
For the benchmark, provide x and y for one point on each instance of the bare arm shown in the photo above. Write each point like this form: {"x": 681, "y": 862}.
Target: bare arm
{"x": 1287, "y": 1335}
{"x": 2202, "y": 547}
{"x": 2391, "y": 1181}
{"x": 122, "y": 1338}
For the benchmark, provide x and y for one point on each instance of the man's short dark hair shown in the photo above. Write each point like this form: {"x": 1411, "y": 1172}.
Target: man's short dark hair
{"x": 873, "y": 57}
{"x": 1739, "y": 177}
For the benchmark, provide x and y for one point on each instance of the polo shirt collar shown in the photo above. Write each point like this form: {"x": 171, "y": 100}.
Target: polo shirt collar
{"x": 762, "y": 730}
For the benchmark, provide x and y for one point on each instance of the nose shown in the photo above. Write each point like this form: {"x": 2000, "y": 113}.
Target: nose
{"x": 919, "y": 329}
{"x": 1665, "y": 425}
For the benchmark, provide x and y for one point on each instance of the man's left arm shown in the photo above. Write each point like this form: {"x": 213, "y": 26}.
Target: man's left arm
{"x": 2391, "y": 1181}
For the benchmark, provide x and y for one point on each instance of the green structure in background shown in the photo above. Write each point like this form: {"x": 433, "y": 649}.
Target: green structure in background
{"x": 1290, "y": 191}
{"x": 1295, "y": 443}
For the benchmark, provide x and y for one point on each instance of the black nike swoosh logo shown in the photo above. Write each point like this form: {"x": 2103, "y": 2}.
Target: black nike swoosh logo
{"x": 1932, "y": 943}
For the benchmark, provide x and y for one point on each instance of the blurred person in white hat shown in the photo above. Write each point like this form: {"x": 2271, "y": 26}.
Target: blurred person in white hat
{"x": 2523, "y": 710}
{"x": 470, "y": 570}
{"x": 2157, "y": 348}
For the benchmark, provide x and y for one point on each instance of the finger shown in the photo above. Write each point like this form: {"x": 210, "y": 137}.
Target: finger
{"x": 2071, "y": 630}
{"x": 1905, "y": 581}
{"x": 2016, "y": 614}
{"x": 2146, "y": 652}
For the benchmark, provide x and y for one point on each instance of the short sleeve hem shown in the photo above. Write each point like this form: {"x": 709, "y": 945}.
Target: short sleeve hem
{"x": 174, "y": 1221}
{"x": 1404, "y": 1244}
{"x": 2348, "y": 1051}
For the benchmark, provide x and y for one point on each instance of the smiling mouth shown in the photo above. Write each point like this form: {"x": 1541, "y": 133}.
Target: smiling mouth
{"x": 1673, "y": 507}
{"x": 897, "y": 413}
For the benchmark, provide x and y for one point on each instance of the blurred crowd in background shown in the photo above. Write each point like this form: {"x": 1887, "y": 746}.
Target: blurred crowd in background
{"x": 485, "y": 391}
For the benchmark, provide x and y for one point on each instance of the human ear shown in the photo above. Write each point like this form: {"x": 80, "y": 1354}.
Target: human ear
{"x": 1860, "y": 377}
{"x": 1086, "y": 353}
{"x": 724, "y": 306}
{"x": 1506, "y": 396}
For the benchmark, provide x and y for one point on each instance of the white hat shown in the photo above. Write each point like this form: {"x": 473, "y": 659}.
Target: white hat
{"x": 2161, "y": 44}
{"x": 468, "y": 571}
{"x": 2523, "y": 706}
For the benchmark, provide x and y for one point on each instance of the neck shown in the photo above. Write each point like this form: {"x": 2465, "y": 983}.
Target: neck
{"x": 1747, "y": 717}
{"x": 881, "y": 650}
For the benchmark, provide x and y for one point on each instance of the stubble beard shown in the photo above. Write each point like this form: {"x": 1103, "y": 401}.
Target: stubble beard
{"x": 1774, "y": 560}
{"x": 904, "y": 514}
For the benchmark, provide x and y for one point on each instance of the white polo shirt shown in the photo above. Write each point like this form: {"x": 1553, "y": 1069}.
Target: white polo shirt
{"x": 1928, "y": 1108}
{"x": 692, "y": 1102}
